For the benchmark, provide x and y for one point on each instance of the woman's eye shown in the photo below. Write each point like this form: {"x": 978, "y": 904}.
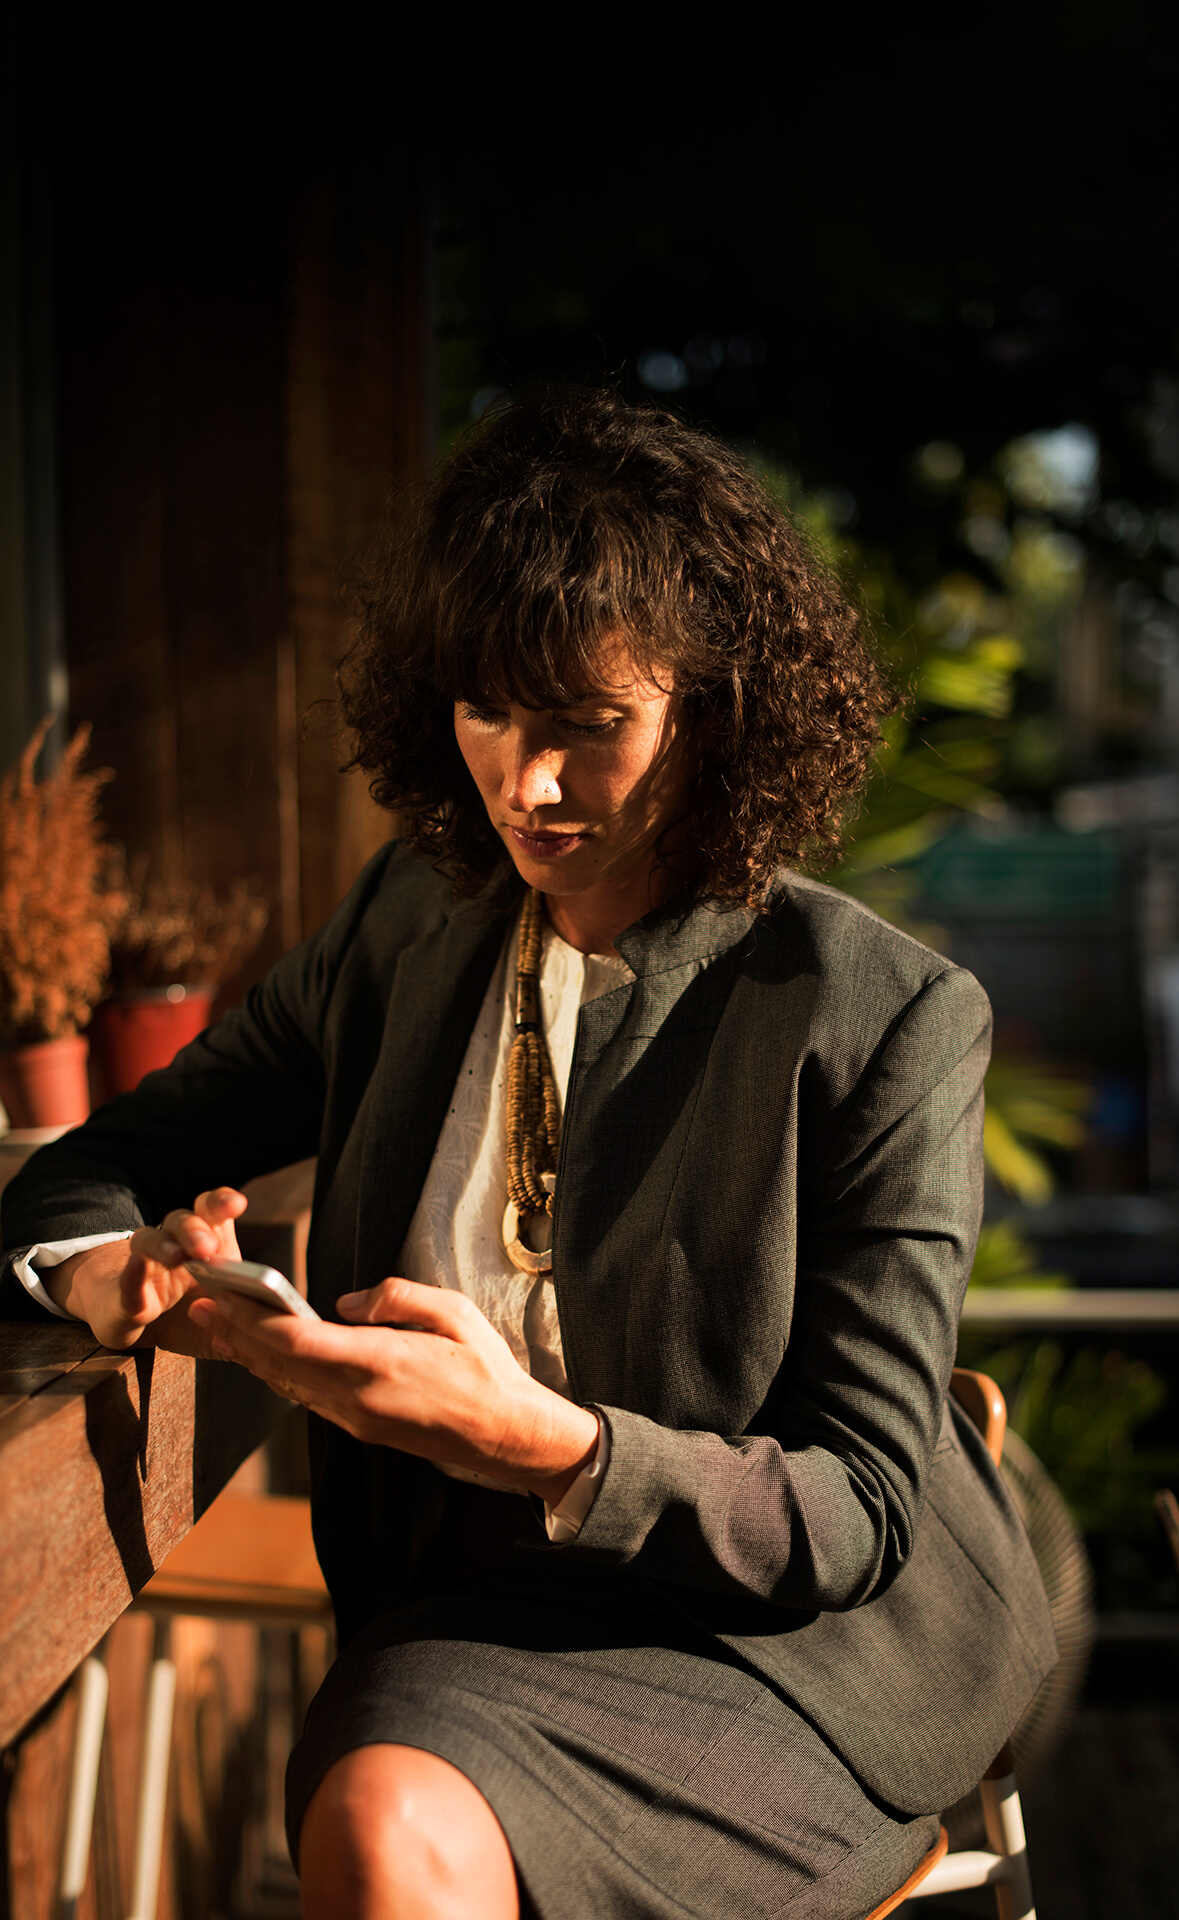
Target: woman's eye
{"x": 489, "y": 717}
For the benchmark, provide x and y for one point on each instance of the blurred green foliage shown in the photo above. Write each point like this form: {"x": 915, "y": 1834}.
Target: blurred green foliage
{"x": 955, "y": 652}
{"x": 1006, "y": 1258}
{"x": 1030, "y": 1103}
{"x": 1080, "y": 1416}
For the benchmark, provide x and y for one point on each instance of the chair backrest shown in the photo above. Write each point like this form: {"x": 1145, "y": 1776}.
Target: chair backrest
{"x": 1003, "y": 1864}
{"x": 977, "y": 1395}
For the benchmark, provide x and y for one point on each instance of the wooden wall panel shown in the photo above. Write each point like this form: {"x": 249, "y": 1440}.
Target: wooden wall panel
{"x": 224, "y": 380}
{"x": 357, "y": 425}
{"x": 112, "y": 406}
{"x": 243, "y": 379}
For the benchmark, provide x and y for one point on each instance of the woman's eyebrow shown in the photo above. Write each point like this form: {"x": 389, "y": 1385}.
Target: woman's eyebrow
{"x": 553, "y": 703}
{"x": 557, "y": 705}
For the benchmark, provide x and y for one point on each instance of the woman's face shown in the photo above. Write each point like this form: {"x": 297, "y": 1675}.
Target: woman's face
{"x": 580, "y": 795}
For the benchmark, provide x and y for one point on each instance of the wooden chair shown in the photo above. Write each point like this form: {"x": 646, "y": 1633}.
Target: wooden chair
{"x": 1003, "y": 1865}
{"x": 250, "y": 1557}
{"x": 1167, "y": 1508}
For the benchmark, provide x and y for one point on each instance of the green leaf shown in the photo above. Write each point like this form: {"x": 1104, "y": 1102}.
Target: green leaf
{"x": 922, "y": 772}
{"x": 970, "y": 684}
{"x": 1021, "y": 1170}
{"x": 867, "y": 854}
{"x": 1004, "y": 1258}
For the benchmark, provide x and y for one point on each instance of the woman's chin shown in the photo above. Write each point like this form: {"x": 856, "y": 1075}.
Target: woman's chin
{"x": 570, "y": 870}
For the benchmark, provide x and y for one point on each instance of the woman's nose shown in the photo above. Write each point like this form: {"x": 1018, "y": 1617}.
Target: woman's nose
{"x": 532, "y": 781}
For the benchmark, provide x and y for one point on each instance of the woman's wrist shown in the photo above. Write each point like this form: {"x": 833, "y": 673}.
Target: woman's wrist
{"x": 83, "y": 1283}
{"x": 573, "y": 1444}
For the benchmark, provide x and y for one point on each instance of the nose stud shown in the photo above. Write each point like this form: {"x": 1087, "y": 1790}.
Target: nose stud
{"x": 535, "y": 778}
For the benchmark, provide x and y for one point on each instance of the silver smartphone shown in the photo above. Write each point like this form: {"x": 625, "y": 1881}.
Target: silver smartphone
{"x": 255, "y": 1281}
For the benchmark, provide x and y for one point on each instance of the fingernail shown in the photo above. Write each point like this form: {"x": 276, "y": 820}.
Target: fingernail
{"x": 170, "y": 1253}
{"x": 347, "y": 1301}
{"x": 222, "y": 1351}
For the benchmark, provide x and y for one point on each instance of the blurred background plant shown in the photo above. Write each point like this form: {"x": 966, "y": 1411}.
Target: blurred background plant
{"x": 1007, "y": 1258}
{"x": 1079, "y": 1414}
{"x": 1031, "y": 1105}
{"x": 181, "y": 933}
{"x": 959, "y": 652}
{"x": 1093, "y": 1416}
{"x": 956, "y": 654}
{"x": 61, "y": 895}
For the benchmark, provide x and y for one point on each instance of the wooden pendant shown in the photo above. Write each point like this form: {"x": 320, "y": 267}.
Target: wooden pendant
{"x": 520, "y": 1255}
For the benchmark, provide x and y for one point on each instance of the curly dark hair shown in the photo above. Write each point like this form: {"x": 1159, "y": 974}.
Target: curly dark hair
{"x": 569, "y": 517}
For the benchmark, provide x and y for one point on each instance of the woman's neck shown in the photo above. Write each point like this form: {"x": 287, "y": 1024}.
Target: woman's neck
{"x": 591, "y": 921}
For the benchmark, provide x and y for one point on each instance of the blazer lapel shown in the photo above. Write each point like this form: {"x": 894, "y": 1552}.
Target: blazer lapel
{"x": 628, "y": 1109}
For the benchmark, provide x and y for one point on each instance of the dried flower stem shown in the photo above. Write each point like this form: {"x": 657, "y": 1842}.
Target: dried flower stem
{"x": 59, "y": 898}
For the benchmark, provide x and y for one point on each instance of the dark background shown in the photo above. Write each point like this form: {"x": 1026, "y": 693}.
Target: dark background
{"x": 886, "y": 237}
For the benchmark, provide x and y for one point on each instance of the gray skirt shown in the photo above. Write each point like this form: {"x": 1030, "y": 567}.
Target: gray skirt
{"x": 639, "y": 1770}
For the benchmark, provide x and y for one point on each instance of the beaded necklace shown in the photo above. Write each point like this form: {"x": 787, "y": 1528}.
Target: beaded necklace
{"x": 533, "y": 1120}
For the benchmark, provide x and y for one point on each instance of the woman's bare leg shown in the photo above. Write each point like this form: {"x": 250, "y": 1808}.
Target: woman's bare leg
{"x": 395, "y": 1833}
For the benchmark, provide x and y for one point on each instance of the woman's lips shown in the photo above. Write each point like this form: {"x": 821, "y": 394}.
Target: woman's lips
{"x": 546, "y": 846}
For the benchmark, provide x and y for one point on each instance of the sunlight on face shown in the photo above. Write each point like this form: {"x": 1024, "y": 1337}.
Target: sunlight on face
{"x": 580, "y": 795}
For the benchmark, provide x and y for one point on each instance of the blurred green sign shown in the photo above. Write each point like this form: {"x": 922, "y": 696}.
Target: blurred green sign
{"x": 1049, "y": 875}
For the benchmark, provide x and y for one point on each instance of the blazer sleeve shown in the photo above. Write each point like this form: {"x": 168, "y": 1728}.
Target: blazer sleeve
{"x": 247, "y": 1096}
{"x": 818, "y": 1509}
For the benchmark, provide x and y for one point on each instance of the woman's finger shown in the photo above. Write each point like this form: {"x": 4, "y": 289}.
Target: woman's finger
{"x": 157, "y": 1243}
{"x": 243, "y": 1322}
{"x": 180, "y": 1234}
{"x": 203, "y": 1231}
{"x": 220, "y": 1207}
{"x": 220, "y": 1203}
{"x": 244, "y": 1331}
{"x": 404, "y": 1303}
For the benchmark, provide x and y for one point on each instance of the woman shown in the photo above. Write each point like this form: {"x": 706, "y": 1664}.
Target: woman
{"x": 770, "y": 1608}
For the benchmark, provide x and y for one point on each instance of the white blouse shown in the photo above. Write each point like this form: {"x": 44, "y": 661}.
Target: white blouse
{"x": 455, "y": 1236}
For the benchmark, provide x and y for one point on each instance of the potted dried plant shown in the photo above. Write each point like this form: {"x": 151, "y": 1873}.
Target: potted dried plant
{"x": 174, "y": 947}
{"x": 60, "y": 898}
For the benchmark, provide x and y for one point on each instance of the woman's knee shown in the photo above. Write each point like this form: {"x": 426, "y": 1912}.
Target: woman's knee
{"x": 396, "y": 1821}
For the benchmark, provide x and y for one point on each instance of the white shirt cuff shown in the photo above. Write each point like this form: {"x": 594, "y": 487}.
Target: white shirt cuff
{"x": 564, "y": 1522}
{"x": 51, "y": 1253}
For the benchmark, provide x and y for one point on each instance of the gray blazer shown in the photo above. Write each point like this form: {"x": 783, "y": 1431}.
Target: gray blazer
{"x": 767, "y": 1202}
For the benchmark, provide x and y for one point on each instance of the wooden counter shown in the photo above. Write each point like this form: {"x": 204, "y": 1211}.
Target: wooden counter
{"x": 105, "y": 1462}
{"x": 106, "y": 1459}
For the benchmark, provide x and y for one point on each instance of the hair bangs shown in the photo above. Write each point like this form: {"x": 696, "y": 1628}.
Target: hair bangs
{"x": 542, "y": 632}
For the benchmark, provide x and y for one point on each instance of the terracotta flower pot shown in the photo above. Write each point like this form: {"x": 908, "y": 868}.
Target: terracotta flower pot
{"x": 137, "y": 1033}
{"x": 44, "y": 1084}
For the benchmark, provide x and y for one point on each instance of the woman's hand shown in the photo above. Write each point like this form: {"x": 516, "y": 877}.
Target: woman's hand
{"x": 134, "y": 1292}
{"x": 419, "y": 1368}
